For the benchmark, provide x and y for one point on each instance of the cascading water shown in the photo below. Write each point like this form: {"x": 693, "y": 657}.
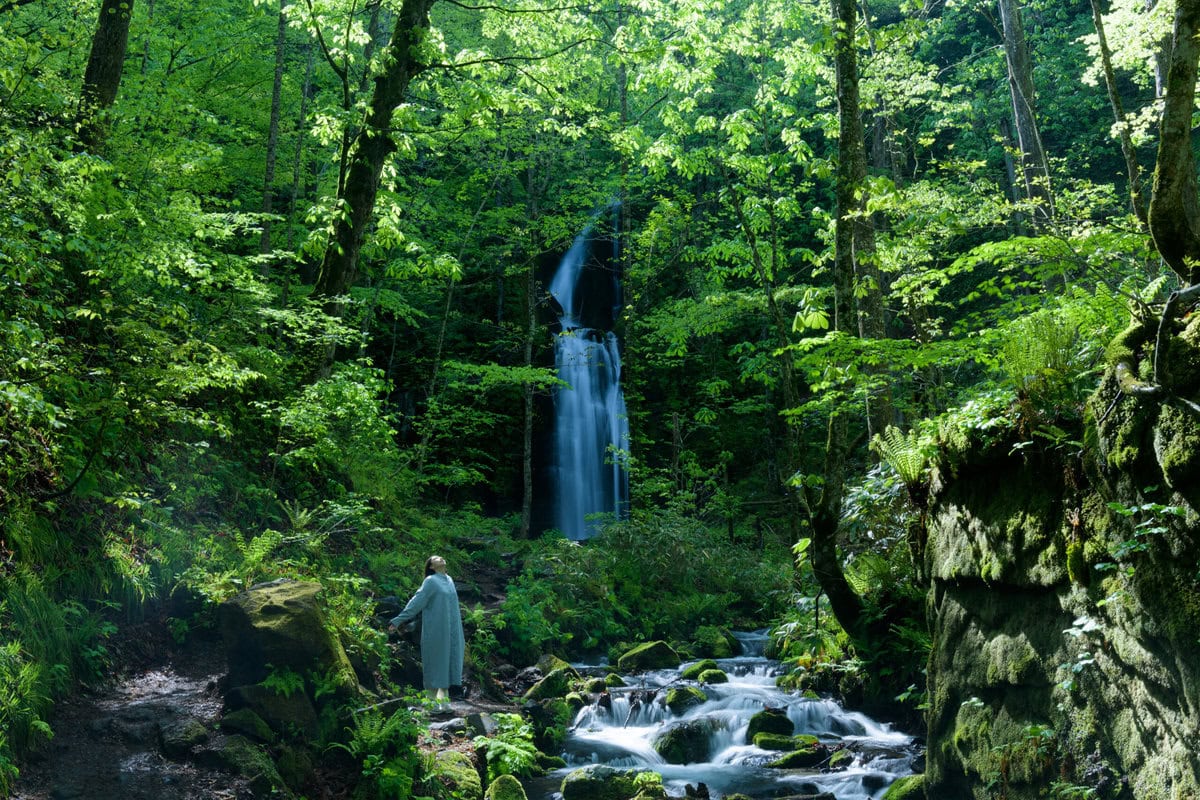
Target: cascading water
{"x": 619, "y": 729}
{"x": 591, "y": 432}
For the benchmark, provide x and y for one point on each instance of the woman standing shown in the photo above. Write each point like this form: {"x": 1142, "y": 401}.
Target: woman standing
{"x": 441, "y": 631}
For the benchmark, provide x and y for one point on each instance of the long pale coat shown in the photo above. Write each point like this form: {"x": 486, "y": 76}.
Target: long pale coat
{"x": 441, "y": 630}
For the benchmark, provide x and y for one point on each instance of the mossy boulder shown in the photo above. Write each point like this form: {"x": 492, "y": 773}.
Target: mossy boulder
{"x": 713, "y": 676}
{"x": 239, "y": 755}
{"x": 506, "y": 787}
{"x": 177, "y": 737}
{"x": 681, "y": 698}
{"x": 910, "y": 787}
{"x": 288, "y": 715}
{"x": 650, "y": 655}
{"x": 598, "y": 782}
{"x": 557, "y": 683}
{"x": 839, "y": 760}
{"x": 595, "y": 685}
{"x": 278, "y": 627}
{"x": 686, "y": 742}
{"x": 715, "y": 642}
{"x": 769, "y": 720}
{"x": 550, "y": 662}
{"x": 295, "y": 766}
{"x": 693, "y": 671}
{"x": 805, "y": 758}
{"x": 247, "y": 723}
{"x": 456, "y": 771}
{"x": 613, "y": 681}
{"x": 774, "y": 741}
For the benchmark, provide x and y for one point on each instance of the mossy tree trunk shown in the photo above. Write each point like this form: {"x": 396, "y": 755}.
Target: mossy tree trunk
{"x": 102, "y": 78}
{"x": 1174, "y": 207}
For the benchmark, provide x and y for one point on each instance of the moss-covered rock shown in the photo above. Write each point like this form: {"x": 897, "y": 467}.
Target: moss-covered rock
{"x": 711, "y": 641}
{"x": 247, "y": 723}
{"x": 458, "y": 774}
{"x": 686, "y": 742}
{"x": 295, "y": 765}
{"x": 595, "y": 685}
{"x": 279, "y": 627}
{"x": 288, "y": 714}
{"x": 239, "y": 755}
{"x": 775, "y": 741}
{"x": 839, "y": 760}
{"x": 177, "y": 737}
{"x": 910, "y": 787}
{"x": 506, "y": 787}
{"x": 556, "y": 684}
{"x": 613, "y": 681}
{"x": 550, "y": 662}
{"x": 713, "y": 676}
{"x": 805, "y": 758}
{"x": 650, "y": 655}
{"x": 598, "y": 782}
{"x": 681, "y": 698}
{"x": 692, "y": 671}
{"x": 769, "y": 720}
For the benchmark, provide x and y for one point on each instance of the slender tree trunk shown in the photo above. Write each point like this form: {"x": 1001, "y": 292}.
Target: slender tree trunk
{"x": 102, "y": 78}
{"x": 1035, "y": 170}
{"x": 1137, "y": 203}
{"x": 264, "y": 244}
{"x": 1174, "y": 207}
{"x": 825, "y": 514}
{"x": 298, "y": 153}
{"x": 370, "y": 151}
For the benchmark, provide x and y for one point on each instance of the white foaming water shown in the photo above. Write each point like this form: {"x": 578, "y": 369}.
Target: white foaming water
{"x": 623, "y": 735}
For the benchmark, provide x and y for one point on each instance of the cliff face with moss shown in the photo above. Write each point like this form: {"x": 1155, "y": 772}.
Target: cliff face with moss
{"x": 1065, "y": 601}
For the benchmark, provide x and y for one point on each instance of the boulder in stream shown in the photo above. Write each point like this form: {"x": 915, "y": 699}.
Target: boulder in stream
{"x": 557, "y": 683}
{"x": 694, "y": 671}
{"x": 687, "y": 742}
{"x": 598, "y": 782}
{"x": 769, "y": 720}
{"x": 681, "y": 698}
{"x": 650, "y": 655}
{"x": 505, "y": 787}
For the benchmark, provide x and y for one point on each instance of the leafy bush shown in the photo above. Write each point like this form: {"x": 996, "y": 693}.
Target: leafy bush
{"x": 657, "y": 576}
{"x": 386, "y": 747}
{"x": 510, "y": 750}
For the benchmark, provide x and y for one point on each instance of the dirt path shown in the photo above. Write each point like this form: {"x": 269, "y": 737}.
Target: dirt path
{"x": 129, "y": 742}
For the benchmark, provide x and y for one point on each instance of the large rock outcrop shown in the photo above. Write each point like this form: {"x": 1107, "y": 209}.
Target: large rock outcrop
{"x": 1065, "y": 614}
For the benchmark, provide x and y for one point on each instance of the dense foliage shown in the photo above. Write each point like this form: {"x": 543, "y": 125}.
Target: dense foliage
{"x": 186, "y": 405}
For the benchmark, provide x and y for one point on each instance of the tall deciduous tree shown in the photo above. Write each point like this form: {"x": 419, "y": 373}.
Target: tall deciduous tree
{"x": 1174, "y": 206}
{"x": 1136, "y": 201}
{"x": 851, "y": 231}
{"x": 102, "y": 78}
{"x": 1035, "y": 172}
{"x": 371, "y": 148}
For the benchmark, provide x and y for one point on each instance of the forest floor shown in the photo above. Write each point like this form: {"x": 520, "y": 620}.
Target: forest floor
{"x": 108, "y": 739}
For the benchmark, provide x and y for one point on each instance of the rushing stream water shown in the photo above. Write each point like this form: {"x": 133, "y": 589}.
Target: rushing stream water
{"x": 621, "y": 734}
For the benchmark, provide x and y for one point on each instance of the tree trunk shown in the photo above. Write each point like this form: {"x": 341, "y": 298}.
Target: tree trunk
{"x": 264, "y": 244}
{"x": 1137, "y": 203}
{"x": 370, "y": 151}
{"x": 102, "y": 77}
{"x": 1174, "y": 208}
{"x": 1035, "y": 171}
{"x": 825, "y": 515}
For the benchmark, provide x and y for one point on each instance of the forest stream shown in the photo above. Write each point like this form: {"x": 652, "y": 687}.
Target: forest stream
{"x": 620, "y": 730}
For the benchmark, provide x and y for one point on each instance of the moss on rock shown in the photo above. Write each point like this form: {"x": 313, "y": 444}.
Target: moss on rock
{"x": 910, "y": 787}
{"x": 769, "y": 720}
{"x": 599, "y": 782}
{"x": 557, "y": 683}
{"x": 681, "y": 698}
{"x": 458, "y": 774}
{"x": 650, "y": 655}
{"x": 692, "y": 672}
{"x": 713, "y": 676}
{"x": 505, "y": 787}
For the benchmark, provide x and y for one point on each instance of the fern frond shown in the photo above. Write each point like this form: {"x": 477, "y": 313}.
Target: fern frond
{"x": 903, "y": 452}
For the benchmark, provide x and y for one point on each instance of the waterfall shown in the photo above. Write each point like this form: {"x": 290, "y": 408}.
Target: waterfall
{"x": 591, "y": 432}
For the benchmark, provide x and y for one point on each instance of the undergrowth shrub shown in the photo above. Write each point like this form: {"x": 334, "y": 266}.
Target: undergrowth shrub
{"x": 657, "y": 576}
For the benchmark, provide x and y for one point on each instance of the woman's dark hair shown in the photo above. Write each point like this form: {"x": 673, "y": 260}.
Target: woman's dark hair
{"x": 429, "y": 566}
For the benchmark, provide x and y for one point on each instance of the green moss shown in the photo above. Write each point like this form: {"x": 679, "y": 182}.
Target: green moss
{"x": 613, "y": 681}
{"x": 769, "y": 720}
{"x": 1077, "y": 564}
{"x": 651, "y": 655}
{"x": 841, "y": 759}
{"x": 1178, "y": 436}
{"x": 506, "y": 787}
{"x": 458, "y": 773}
{"x": 775, "y": 741}
{"x": 713, "y": 676}
{"x": 595, "y": 685}
{"x": 693, "y": 671}
{"x": 681, "y": 698}
{"x": 557, "y": 684}
{"x": 910, "y": 787}
{"x": 1128, "y": 343}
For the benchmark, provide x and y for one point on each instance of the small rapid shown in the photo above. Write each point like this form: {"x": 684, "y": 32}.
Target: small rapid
{"x": 619, "y": 729}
